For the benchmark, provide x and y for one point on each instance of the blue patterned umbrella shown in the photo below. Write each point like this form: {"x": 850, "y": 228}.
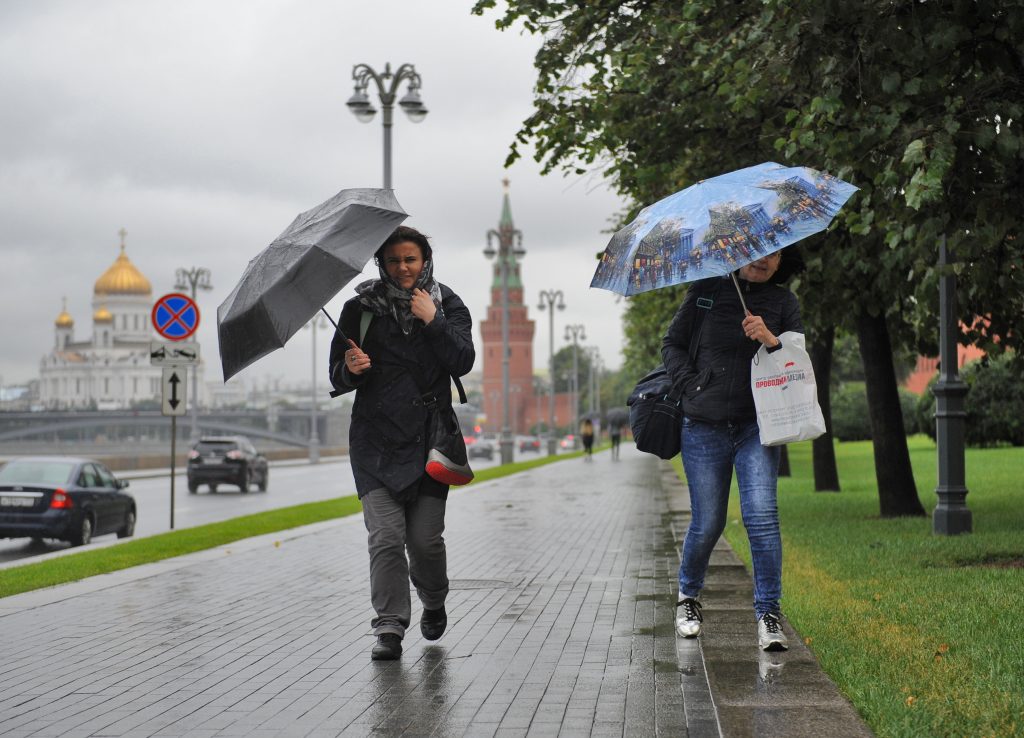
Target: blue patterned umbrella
{"x": 718, "y": 225}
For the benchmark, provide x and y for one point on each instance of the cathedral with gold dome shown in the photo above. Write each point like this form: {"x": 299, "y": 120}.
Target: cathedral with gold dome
{"x": 109, "y": 370}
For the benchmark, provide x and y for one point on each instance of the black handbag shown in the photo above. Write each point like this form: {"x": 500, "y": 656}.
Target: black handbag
{"x": 656, "y": 414}
{"x": 447, "y": 461}
{"x": 656, "y": 405}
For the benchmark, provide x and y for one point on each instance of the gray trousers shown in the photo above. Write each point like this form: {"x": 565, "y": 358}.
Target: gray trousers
{"x": 393, "y": 529}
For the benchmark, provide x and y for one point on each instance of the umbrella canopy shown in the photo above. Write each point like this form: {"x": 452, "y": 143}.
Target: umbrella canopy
{"x": 617, "y": 416}
{"x": 290, "y": 280}
{"x": 718, "y": 225}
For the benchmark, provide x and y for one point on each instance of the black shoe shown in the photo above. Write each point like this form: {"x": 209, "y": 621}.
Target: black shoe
{"x": 433, "y": 623}
{"x": 388, "y": 648}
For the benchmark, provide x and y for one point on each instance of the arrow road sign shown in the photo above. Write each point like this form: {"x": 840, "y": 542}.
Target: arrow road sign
{"x": 178, "y": 354}
{"x": 174, "y": 391}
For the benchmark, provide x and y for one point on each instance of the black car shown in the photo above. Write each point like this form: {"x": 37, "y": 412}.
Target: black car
{"x": 226, "y": 460}
{"x": 61, "y": 497}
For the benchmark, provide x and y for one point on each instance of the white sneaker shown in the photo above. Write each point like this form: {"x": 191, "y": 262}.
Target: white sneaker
{"x": 769, "y": 633}
{"x": 688, "y": 617}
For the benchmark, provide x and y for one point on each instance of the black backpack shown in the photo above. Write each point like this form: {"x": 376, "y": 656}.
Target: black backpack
{"x": 656, "y": 406}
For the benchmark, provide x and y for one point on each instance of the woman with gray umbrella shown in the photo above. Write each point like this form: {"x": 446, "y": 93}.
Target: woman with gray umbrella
{"x": 415, "y": 336}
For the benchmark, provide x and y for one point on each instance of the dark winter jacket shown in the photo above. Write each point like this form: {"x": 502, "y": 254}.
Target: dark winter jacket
{"x": 387, "y": 439}
{"x": 716, "y": 389}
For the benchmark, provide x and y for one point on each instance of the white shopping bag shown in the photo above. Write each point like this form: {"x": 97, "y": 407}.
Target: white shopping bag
{"x": 785, "y": 394}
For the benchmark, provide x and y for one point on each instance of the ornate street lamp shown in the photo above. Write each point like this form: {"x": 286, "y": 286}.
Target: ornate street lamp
{"x": 318, "y": 321}
{"x": 575, "y": 333}
{"x": 549, "y": 300}
{"x": 510, "y": 245}
{"x": 194, "y": 279}
{"x": 387, "y": 85}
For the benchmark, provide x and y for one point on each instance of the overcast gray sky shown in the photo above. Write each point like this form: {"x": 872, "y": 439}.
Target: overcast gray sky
{"x": 204, "y": 127}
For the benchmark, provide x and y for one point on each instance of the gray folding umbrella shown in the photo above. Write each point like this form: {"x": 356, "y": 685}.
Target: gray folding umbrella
{"x": 294, "y": 277}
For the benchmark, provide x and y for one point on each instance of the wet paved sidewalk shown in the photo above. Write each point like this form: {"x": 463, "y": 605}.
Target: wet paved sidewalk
{"x": 560, "y": 623}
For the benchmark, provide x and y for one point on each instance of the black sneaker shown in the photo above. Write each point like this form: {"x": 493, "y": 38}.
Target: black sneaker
{"x": 388, "y": 647}
{"x": 433, "y": 623}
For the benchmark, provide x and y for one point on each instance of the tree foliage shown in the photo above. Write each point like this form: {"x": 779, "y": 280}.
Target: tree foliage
{"x": 917, "y": 103}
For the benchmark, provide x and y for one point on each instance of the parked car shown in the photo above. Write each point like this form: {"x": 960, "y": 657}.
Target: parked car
{"x": 481, "y": 447}
{"x": 63, "y": 497}
{"x": 531, "y": 443}
{"x": 568, "y": 442}
{"x": 226, "y": 460}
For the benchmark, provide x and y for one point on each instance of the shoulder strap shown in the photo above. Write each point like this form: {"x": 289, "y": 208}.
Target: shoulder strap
{"x": 704, "y": 305}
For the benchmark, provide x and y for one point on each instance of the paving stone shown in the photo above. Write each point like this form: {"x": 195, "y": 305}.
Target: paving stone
{"x": 560, "y": 623}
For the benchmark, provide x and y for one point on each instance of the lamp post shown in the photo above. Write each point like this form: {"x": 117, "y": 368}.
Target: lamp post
{"x": 318, "y": 321}
{"x": 594, "y": 379}
{"x": 575, "y": 333}
{"x": 194, "y": 279}
{"x": 951, "y": 515}
{"x": 549, "y": 300}
{"x": 387, "y": 84}
{"x": 515, "y": 390}
{"x": 510, "y": 244}
{"x": 538, "y": 391}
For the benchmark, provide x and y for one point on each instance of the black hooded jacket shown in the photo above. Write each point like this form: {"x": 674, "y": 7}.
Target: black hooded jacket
{"x": 716, "y": 387}
{"x": 387, "y": 438}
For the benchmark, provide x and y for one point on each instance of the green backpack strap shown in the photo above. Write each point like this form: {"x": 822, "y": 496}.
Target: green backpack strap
{"x": 364, "y": 325}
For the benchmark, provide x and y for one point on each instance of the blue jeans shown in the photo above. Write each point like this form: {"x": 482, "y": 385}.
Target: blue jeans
{"x": 709, "y": 454}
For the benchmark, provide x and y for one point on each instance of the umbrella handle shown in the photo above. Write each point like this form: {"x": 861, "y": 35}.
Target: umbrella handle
{"x": 738, "y": 292}
{"x": 337, "y": 328}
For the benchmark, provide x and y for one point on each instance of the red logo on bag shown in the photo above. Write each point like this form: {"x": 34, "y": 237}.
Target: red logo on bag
{"x": 789, "y": 364}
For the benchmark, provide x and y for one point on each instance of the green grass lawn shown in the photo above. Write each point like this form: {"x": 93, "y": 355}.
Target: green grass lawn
{"x": 922, "y": 632}
{"x": 90, "y": 562}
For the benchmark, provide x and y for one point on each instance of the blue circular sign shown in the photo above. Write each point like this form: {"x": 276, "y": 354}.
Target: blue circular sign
{"x": 175, "y": 316}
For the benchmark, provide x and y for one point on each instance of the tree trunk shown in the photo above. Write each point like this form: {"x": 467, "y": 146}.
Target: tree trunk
{"x": 897, "y": 492}
{"x": 826, "y": 473}
{"x": 784, "y": 462}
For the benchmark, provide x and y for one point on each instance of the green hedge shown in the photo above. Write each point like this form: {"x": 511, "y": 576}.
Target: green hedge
{"x": 994, "y": 403}
{"x": 850, "y": 418}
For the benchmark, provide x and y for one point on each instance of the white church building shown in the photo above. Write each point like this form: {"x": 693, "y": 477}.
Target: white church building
{"x": 110, "y": 368}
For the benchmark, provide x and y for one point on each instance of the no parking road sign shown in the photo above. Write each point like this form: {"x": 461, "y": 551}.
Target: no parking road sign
{"x": 175, "y": 316}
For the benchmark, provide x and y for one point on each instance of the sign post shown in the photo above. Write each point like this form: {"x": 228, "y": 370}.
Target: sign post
{"x": 175, "y": 391}
{"x": 175, "y": 317}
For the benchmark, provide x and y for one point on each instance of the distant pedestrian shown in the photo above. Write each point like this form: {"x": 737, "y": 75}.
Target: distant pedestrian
{"x": 587, "y": 434}
{"x": 720, "y": 431}
{"x": 418, "y": 335}
{"x": 615, "y": 435}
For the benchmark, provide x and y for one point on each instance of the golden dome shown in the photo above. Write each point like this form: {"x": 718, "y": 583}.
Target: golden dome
{"x": 122, "y": 278}
{"x": 64, "y": 320}
{"x": 102, "y": 315}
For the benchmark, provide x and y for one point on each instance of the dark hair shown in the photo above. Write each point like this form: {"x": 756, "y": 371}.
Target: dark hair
{"x": 792, "y": 263}
{"x": 403, "y": 234}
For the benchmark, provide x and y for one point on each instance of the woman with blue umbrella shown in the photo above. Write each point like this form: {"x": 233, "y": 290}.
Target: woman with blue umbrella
{"x": 720, "y": 431}
{"x": 728, "y": 235}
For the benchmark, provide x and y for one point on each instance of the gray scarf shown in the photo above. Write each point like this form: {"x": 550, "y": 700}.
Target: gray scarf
{"x": 385, "y": 297}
